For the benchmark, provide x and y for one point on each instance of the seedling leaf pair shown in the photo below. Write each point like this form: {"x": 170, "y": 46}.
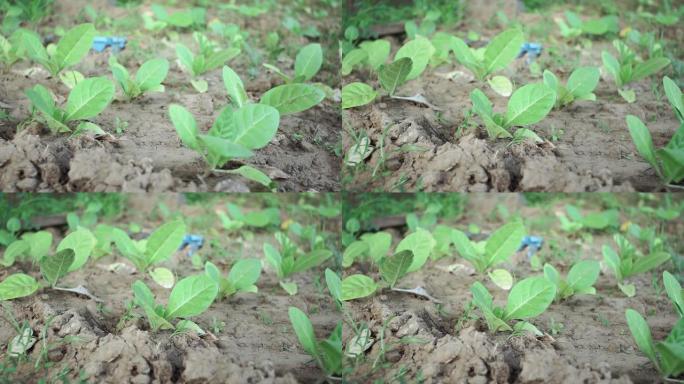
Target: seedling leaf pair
{"x": 70, "y": 50}
{"x": 88, "y": 98}
{"x": 528, "y": 105}
{"x": 580, "y": 86}
{"x": 241, "y": 278}
{"x": 580, "y": 279}
{"x": 498, "y": 54}
{"x": 628, "y": 68}
{"x": 667, "y": 355}
{"x": 668, "y": 161}
{"x": 500, "y": 246}
{"x": 326, "y": 352}
{"x": 630, "y": 262}
{"x": 148, "y": 78}
{"x": 161, "y": 244}
{"x": 307, "y": 64}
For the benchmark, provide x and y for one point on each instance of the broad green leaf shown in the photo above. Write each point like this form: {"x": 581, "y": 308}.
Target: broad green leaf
{"x": 234, "y": 87}
{"x": 503, "y": 243}
{"x": 55, "y": 266}
{"x": 421, "y": 244}
{"x": 289, "y": 287}
{"x": 501, "y": 85}
{"x": 13, "y": 251}
{"x": 222, "y": 148}
{"x": 649, "y": 67}
{"x": 674, "y": 95}
{"x": 293, "y": 98}
{"x": 74, "y": 46}
{"x": 671, "y": 357}
{"x": 647, "y": 263}
{"x": 308, "y": 61}
{"x": 353, "y": 250}
{"x": 82, "y": 242}
{"x": 529, "y": 104}
{"x": 379, "y": 244}
{"x": 164, "y": 242}
{"x": 674, "y": 292}
{"x": 378, "y": 51}
{"x": 274, "y": 258}
{"x": 529, "y": 298}
{"x": 334, "y": 284}
{"x": 464, "y": 246}
{"x": 17, "y": 285}
{"x": 310, "y": 260}
{"x": 42, "y": 100}
{"x": 502, "y": 278}
{"x": 303, "y": 329}
{"x": 628, "y": 289}
{"x": 552, "y": 275}
{"x": 151, "y": 74}
{"x": 551, "y": 80}
{"x": 612, "y": 260}
{"x": 481, "y": 296}
{"x": 642, "y": 140}
{"x": 191, "y": 296}
{"x": 218, "y": 58}
{"x": 71, "y": 78}
{"x": 145, "y": 299}
{"x": 33, "y": 47}
{"x": 357, "y": 94}
{"x": 465, "y": 56}
{"x": 185, "y": 326}
{"x": 185, "y": 124}
{"x": 641, "y": 333}
{"x": 253, "y": 174}
{"x": 394, "y": 267}
{"x": 185, "y": 57}
{"x": 395, "y": 74}
{"x": 163, "y": 276}
{"x": 88, "y": 98}
{"x": 583, "y": 80}
{"x": 673, "y": 163}
{"x": 357, "y": 286}
{"x": 503, "y": 49}
{"x": 351, "y": 59}
{"x": 612, "y": 66}
{"x": 628, "y": 94}
{"x": 419, "y": 50}
{"x": 254, "y": 126}
{"x": 244, "y": 273}
{"x": 583, "y": 275}
{"x": 200, "y": 85}
{"x": 39, "y": 243}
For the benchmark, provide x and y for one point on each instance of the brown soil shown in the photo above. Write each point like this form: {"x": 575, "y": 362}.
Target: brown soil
{"x": 423, "y": 152}
{"x": 148, "y": 156}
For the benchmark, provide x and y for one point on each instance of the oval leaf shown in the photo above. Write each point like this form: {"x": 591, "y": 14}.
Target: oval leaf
{"x": 529, "y": 104}
{"x": 191, "y": 296}
{"x": 357, "y": 286}
{"x": 88, "y": 98}
{"x": 17, "y": 285}
{"x": 56, "y": 266}
{"x": 357, "y": 94}
{"x": 529, "y": 298}
{"x": 308, "y": 62}
{"x": 293, "y": 98}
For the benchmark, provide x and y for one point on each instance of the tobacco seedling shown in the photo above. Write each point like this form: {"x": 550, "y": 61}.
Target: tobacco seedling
{"x": 580, "y": 280}
{"x": 236, "y": 219}
{"x": 574, "y": 221}
{"x": 498, "y": 248}
{"x": 528, "y": 298}
{"x": 149, "y": 77}
{"x": 290, "y": 259}
{"x": 575, "y": 27}
{"x": 326, "y": 352}
{"x": 372, "y": 53}
{"x": 497, "y": 55}
{"x": 307, "y": 64}
{"x": 10, "y": 49}
{"x": 190, "y": 297}
{"x": 210, "y": 57}
{"x": 190, "y": 18}
{"x": 674, "y": 292}
{"x": 580, "y": 86}
{"x": 667, "y": 355}
{"x": 629, "y": 68}
{"x": 667, "y": 161}
{"x": 629, "y": 261}
{"x": 69, "y": 51}
{"x": 242, "y": 277}
{"x": 88, "y": 98}
{"x": 528, "y": 105}
{"x": 161, "y": 244}
{"x": 392, "y": 268}
{"x": 243, "y": 126}
{"x": 52, "y": 268}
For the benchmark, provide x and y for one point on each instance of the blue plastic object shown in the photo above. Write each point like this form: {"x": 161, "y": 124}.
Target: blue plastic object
{"x": 100, "y": 43}
{"x": 193, "y": 243}
{"x": 531, "y": 50}
{"x": 532, "y": 243}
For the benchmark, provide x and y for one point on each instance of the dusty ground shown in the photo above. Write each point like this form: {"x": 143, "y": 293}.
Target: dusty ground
{"x": 148, "y": 156}
{"x": 103, "y": 343}
{"x": 422, "y": 151}
{"x": 444, "y": 344}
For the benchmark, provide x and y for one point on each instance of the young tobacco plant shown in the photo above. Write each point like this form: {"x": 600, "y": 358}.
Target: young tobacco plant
{"x": 210, "y": 57}
{"x": 528, "y": 298}
{"x": 161, "y": 244}
{"x": 575, "y": 222}
{"x": 243, "y": 126}
{"x": 69, "y": 51}
{"x": 326, "y": 352}
{"x": 188, "y": 18}
{"x": 52, "y": 269}
{"x": 628, "y": 68}
{"x": 85, "y": 101}
{"x": 580, "y": 86}
{"x": 667, "y": 355}
{"x": 498, "y": 248}
{"x": 497, "y": 55}
{"x": 190, "y": 297}
{"x": 242, "y": 277}
{"x": 575, "y": 26}
{"x": 308, "y": 62}
{"x": 629, "y": 261}
{"x": 149, "y": 77}
{"x": 392, "y": 268}
{"x": 667, "y": 161}
{"x": 290, "y": 259}
{"x": 528, "y": 105}
{"x": 580, "y": 280}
